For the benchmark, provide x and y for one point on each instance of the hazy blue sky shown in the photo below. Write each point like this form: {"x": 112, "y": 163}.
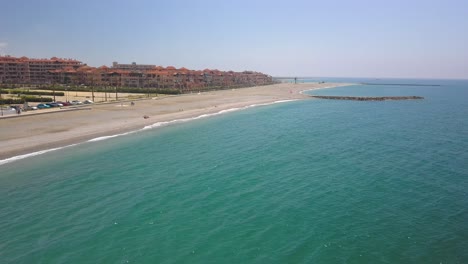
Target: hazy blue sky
{"x": 370, "y": 38}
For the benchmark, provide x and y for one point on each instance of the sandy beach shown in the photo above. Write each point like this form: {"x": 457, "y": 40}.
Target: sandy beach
{"x": 35, "y": 131}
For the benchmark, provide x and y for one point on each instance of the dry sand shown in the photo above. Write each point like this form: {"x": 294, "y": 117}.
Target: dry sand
{"x": 38, "y": 130}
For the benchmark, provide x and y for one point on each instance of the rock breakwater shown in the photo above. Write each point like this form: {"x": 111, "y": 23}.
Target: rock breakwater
{"x": 367, "y": 98}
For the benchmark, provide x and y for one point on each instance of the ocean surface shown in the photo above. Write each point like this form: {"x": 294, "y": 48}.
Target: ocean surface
{"x": 314, "y": 181}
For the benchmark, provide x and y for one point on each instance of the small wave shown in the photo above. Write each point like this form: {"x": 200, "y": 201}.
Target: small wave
{"x": 182, "y": 120}
{"x": 20, "y": 157}
{"x": 111, "y": 136}
{"x": 155, "y": 125}
{"x": 326, "y": 87}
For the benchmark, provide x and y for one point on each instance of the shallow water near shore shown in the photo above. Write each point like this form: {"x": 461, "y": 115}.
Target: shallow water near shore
{"x": 313, "y": 181}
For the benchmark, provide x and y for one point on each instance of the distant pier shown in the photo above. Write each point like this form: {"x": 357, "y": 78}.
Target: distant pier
{"x": 401, "y": 84}
{"x": 367, "y": 98}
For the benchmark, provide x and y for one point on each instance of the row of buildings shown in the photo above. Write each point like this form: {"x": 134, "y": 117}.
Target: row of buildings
{"x": 73, "y": 72}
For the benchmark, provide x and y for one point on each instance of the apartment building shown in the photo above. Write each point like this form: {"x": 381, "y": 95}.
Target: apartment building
{"x": 133, "y": 66}
{"x": 72, "y": 72}
{"x": 36, "y": 71}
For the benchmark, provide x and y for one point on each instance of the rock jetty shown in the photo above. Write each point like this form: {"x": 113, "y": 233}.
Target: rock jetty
{"x": 367, "y": 98}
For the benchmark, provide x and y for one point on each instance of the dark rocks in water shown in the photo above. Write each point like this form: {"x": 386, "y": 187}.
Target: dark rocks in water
{"x": 366, "y": 98}
{"x": 401, "y": 84}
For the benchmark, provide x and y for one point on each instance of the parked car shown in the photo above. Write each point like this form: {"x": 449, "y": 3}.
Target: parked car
{"x": 52, "y": 104}
{"x": 28, "y": 108}
{"x": 76, "y": 102}
{"x": 42, "y": 106}
{"x": 65, "y": 103}
{"x": 88, "y": 102}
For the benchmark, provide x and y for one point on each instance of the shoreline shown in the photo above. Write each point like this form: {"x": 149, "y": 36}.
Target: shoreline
{"x": 35, "y": 134}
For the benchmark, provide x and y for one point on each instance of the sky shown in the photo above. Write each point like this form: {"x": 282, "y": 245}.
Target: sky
{"x": 356, "y": 38}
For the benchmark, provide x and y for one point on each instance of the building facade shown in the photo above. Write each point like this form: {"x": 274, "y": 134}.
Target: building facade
{"x": 72, "y": 72}
{"x": 36, "y": 71}
{"x": 132, "y": 67}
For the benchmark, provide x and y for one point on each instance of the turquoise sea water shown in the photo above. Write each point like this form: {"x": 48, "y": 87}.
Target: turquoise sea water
{"x": 315, "y": 181}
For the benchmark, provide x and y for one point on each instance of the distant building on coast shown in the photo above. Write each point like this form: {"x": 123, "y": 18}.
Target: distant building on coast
{"x": 133, "y": 66}
{"x": 73, "y": 72}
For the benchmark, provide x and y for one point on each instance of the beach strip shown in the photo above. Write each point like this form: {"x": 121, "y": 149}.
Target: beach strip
{"x": 19, "y": 137}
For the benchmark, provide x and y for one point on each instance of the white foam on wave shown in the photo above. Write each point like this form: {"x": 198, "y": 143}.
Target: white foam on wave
{"x": 155, "y": 125}
{"x": 24, "y": 156}
{"x": 182, "y": 120}
{"x": 111, "y": 136}
{"x": 326, "y": 87}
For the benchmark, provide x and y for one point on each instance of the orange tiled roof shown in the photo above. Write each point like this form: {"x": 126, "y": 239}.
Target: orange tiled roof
{"x": 26, "y": 59}
{"x": 156, "y": 70}
{"x": 83, "y": 68}
{"x": 120, "y": 71}
{"x": 69, "y": 69}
